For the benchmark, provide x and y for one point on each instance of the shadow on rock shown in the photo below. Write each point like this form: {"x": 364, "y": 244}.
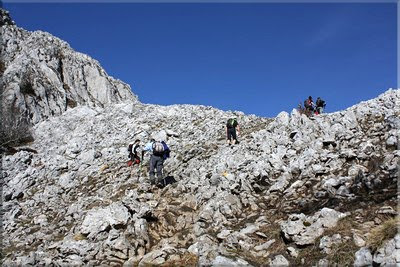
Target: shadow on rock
{"x": 166, "y": 181}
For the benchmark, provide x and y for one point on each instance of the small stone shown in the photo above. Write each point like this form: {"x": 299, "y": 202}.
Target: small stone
{"x": 358, "y": 240}
{"x": 293, "y": 252}
{"x": 223, "y": 234}
{"x": 397, "y": 240}
{"x": 363, "y": 257}
{"x": 279, "y": 260}
{"x": 265, "y": 245}
{"x": 386, "y": 210}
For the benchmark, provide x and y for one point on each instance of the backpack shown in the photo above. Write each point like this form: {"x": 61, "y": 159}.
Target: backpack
{"x": 306, "y": 103}
{"x": 320, "y": 103}
{"x": 166, "y": 150}
{"x": 135, "y": 149}
{"x": 158, "y": 148}
{"x": 130, "y": 150}
{"x": 232, "y": 123}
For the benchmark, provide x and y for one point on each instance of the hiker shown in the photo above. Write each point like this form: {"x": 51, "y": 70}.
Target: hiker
{"x": 134, "y": 153}
{"x": 160, "y": 152}
{"x": 309, "y": 105}
{"x": 231, "y": 127}
{"x": 320, "y": 105}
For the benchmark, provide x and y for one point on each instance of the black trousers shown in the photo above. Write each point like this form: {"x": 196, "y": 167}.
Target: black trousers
{"x": 231, "y": 133}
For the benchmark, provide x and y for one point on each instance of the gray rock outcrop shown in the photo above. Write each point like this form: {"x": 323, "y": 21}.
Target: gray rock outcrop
{"x": 42, "y": 76}
{"x": 304, "y": 230}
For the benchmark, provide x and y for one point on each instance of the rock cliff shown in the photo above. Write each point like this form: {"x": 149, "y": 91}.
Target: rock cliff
{"x": 41, "y": 76}
{"x": 295, "y": 191}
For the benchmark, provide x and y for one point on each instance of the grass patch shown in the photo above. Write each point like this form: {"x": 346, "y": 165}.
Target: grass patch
{"x": 387, "y": 230}
{"x": 309, "y": 256}
{"x": 343, "y": 253}
{"x": 272, "y": 231}
{"x": 343, "y": 227}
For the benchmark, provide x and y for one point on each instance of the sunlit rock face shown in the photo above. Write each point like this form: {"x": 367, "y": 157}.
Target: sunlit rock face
{"x": 293, "y": 187}
{"x": 42, "y": 76}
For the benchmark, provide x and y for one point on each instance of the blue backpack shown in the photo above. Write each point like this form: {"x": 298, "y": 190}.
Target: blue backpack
{"x": 166, "y": 150}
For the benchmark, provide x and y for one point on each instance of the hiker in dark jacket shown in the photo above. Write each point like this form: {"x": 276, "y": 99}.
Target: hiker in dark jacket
{"x": 320, "y": 105}
{"x": 134, "y": 152}
{"x": 160, "y": 152}
{"x": 232, "y": 131}
{"x": 309, "y": 105}
{"x": 136, "y": 148}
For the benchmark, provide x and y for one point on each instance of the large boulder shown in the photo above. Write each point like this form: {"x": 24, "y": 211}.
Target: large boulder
{"x": 100, "y": 219}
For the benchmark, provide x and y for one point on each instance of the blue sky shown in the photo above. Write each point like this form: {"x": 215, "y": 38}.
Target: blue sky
{"x": 257, "y": 58}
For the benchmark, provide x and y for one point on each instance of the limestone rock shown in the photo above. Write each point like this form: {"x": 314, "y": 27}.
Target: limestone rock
{"x": 223, "y": 261}
{"x": 44, "y": 77}
{"x": 388, "y": 254}
{"x": 363, "y": 257}
{"x": 99, "y": 219}
{"x": 279, "y": 260}
{"x": 303, "y": 230}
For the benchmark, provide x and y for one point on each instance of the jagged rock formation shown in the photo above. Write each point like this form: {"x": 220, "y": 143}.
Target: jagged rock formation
{"x": 41, "y": 76}
{"x": 5, "y": 18}
{"x": 295, "y": 190}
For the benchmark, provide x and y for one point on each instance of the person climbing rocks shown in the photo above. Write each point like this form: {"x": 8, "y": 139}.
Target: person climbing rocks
{"x": 309, "y": 105}
{"x": 320, "y": 104}
{"x": 134, "y": 153}
{"x": 160, "y": 152}
{"x": 232, "y": 131}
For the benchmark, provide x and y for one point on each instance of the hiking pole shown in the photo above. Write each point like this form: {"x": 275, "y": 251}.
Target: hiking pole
{"x": 139, "y": 170}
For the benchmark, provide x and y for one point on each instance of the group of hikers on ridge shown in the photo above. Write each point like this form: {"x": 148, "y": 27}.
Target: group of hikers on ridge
{"x": 160, "y": 151}
{"x": 311, "y": 108}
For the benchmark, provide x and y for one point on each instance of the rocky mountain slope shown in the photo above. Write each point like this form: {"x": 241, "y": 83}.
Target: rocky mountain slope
{"x": 295, "y": 191}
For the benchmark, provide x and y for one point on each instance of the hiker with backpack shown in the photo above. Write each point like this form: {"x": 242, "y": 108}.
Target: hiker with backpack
{"x": 134, "y": 153}
{"x": 320, "y": 105}
{"x": 309, "y": 105}
{"x": 232, "y": 130}
{"x": 160, "y": 152}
